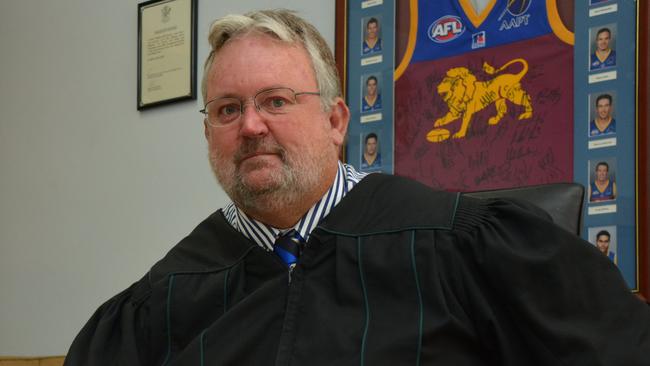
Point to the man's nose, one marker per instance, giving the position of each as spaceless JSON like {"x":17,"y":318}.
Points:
{"x":253,"y":123}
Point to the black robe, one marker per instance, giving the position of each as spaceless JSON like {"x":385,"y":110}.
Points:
{"x":397,"y":274}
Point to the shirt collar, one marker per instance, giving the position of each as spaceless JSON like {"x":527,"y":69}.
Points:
{"x":264,"y":235}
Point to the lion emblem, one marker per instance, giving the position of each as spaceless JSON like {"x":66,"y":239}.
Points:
{"x":465,"y":96}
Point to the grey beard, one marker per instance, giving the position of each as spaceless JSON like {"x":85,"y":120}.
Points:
{"x":297,"y":177}
{"x":269,"y":198}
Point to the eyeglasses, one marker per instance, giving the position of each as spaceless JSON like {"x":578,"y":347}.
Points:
{"x":221,"y":112}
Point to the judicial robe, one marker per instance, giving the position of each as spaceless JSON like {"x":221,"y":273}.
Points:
{"x":397,"y":274}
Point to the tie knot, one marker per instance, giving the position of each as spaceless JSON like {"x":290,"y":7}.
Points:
{"x":288,"y":247}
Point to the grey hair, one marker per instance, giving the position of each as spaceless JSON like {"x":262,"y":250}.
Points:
{"x":285,"y":26}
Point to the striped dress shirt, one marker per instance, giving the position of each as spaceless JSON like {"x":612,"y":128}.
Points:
{"x":265,"y":235}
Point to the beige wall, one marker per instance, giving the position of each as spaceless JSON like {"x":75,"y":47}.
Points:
{"x":92,"y":191}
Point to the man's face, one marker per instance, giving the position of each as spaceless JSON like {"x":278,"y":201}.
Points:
{"x":602,"y":242}
{"x":603,"y":107}
{"x":602,"y":41}
{"x":371,"y":87}
{"x":372,"y":28}
{"x":263,"y":159}
{"x":601,"y":173}
{"x":371,"y":146}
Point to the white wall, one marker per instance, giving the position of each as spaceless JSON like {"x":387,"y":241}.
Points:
{"x":92,"y":192}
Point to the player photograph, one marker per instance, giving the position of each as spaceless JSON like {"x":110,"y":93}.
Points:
{"x":371,"y":35}
{"x":602,"y":178}
{"x":603,"y":114}
{"x":602,"y":47}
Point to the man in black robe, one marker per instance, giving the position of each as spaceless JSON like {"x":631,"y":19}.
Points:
{"x":367,"y":269}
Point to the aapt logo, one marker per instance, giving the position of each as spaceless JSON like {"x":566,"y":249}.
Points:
{"x":518,"y":7}
{"x":446,"y":29}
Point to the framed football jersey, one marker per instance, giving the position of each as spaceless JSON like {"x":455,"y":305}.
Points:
{"x":507,"y":93}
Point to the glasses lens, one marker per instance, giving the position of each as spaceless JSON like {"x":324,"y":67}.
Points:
{"x":275,"y":101}
{"x":223,"y":111}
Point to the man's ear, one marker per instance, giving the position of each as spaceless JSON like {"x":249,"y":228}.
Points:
{"x":339,"y":120}
{"x":206,"y":130}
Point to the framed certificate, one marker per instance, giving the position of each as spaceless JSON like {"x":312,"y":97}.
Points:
{"x":166,"y":52}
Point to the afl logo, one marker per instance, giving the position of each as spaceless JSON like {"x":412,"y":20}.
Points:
{"x":445,"y":29}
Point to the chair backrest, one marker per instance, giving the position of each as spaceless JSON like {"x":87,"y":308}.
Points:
{"x":562,"y":201}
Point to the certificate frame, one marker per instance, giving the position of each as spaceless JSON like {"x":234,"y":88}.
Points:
{"x":641,"y":171}
{"x":166,"y":52}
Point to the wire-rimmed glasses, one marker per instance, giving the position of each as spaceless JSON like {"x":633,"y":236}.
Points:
{"x":224,"y":111}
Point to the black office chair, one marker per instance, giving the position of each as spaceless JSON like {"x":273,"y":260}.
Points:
{"x":562,"y":201}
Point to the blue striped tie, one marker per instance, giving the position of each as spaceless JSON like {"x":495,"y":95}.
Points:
{"x":288,"y":247}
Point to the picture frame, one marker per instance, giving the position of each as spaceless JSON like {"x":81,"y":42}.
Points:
{"x":366,"y":46}
{"x":643,"y":136}
{"x":592,"y":15}
{"x":166,"y":52}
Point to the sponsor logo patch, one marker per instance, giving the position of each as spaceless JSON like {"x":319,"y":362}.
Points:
{"x":518,"y":7}
{"x":478,"y":40}
{"x":446,"y":29}
{"x":518,"y":17}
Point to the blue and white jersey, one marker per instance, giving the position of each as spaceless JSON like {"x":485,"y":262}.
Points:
{"x":609,"y":130}
{"x":597,"y":64}
{"x":365,"y":107}
{"x":367,"y":49}
{"x":375,"y":164}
